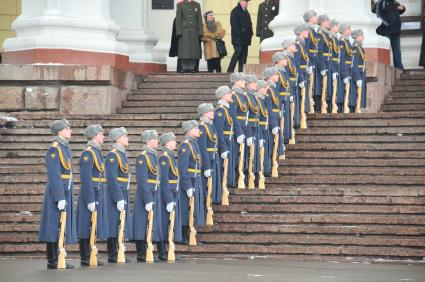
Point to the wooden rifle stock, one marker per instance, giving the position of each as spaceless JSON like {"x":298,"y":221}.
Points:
{"x":225,"y":190}
{"x":192,"y":233}
{"x":251,"y":175}
{"x":324,"y":90}
{"x":149,"y":245}
{"x":61,"y":242}
{"x":275,"y":166}
{"x":334,"y":91}
{"x":209,"y":219}
{"x":241,"y":179}
{"x":121,"y":247}
{"x":282,"y":135}
{"x":346,"y":98}
{"x":359,"y":100}
{"x":262,"y":179}
{"x":303,"y":123}
{"x":171,"y":245}
{"x":93,"y":248}
{"x":310,"y":93}
{"x":292,"y":140}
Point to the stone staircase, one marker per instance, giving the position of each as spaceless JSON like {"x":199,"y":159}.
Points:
{"x":352,"y":187}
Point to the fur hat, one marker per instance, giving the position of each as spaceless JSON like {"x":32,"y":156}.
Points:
{"x":92,"y":130}
{"x":188,"y":125}
{"x":116,"y":133}
{"x":59,"y":125}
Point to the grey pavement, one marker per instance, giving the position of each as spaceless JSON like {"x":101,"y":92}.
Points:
{"x":12,"y":270}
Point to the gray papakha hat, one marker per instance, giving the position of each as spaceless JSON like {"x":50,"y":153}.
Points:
{"x":333,"y":23}
{"x":286,"y":54}
{"x":236,"y":76}
{"x":269,"y":71}
{"x":116,"y":133}
{"x":300,"y":28}
{"x":205,"y":108}
{"x":277,"y":57}
{"x":343,"y":27}
{"x":149,"y":135}
{"x":322,"y":18}
{"x":309,"y":14}
{"x":251,"y":79}
{"x":188,"y":125}
{"x":166,"y":137}
{"x":261,"y":83}
{"x":286,"y":43}
{"x":92,"y":130}
{"x":58,"y":125}
{"x":221,"y":91}
{"x":356,"y":33}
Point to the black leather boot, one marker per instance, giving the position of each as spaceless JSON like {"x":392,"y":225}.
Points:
{"x":162,"y":250}
{"x":112,"y":245}
{"x":141,"y":250}
{"x":52,"y":259}
{"x":84,"y":252}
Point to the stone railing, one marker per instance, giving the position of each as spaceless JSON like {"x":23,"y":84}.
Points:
{"x":71,"y":89}
{"x":380,"y":79}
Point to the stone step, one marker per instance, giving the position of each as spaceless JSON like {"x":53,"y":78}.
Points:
{"x":160,"y":104}
{"x":323,"y":209}
{"x":173,"y":93}
{"x":363,"y":116}
{"x":402,"y":107}
{"x":410,"y":82}
{"x":291,"y":229}
{"x":182,"y":85}
{"x":355,"y":147}
{"x":50,"y":116}
{"x":168,"y":77}
{"x":154,"y":110}
{"x":362,"y":131}
{"x":107,"y":125}
{"x":348,"y":179}
{"x":408,"y":88}
{"x":359,"y":162}
{"x":300,"y":138}
{"x":352,"y":171}
{"x":401,"y":101}
{"x":399,"y":122}
{"x":185,"y":97}
{"x":356,"y":154}
{"x":412,"y":75}
{"x":312,"y":240}
{"x":329,"y":218}
{"x":404,"y":94}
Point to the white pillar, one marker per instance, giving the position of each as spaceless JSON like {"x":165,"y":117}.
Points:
{"x":357,"y":13}
{"x":77,"y":25}
{"x":133,"y":18}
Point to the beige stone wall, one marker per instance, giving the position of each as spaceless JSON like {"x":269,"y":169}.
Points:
{"x":9,"y":10}
{"x":222,"y":9}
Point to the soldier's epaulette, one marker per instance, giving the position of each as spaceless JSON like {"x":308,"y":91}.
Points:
{"x":89,"y":148}
{"x":114,"y":150}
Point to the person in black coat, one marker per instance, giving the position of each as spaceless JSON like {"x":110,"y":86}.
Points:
{"x":241,"y":24}
{"x":174,"y":47}
{"x":389,"y":12}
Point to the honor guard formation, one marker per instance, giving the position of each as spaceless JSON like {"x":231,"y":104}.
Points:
{"x":234,"y":145}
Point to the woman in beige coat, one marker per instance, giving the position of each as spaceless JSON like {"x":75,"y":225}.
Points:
{"x":212,"y":31}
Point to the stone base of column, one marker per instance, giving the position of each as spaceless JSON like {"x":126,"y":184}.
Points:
{"x":66,"y":57}
{"x":380,"y":55}
{"x":147,"y":68}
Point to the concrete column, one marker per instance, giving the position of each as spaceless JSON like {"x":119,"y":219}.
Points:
{"x":133,"y":18}
{"x":357,"y":13}
{"x":65,"y":32}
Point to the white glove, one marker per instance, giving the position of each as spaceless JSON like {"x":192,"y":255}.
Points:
{"x":224,"y":156}
{"x":249,"y":141}
{"x":291,"y":99}
{"x":149,"y":206}
{"x":240,"y":139}
{"x":91,"y":206}
{"x":280,"y":114}
{"x":275,"y":130}
{"x":120,"y":205}
{"x":170,"y":206}
{"x":334,"y":75}
{"x":302,"y":84}
{"x":310,"y":70}
{"x":359,"y":83}
{"x":323,"y":72}
{"x":346,"y":80}
{"x":207,"y":173}
{"x":261,"y":143}
{"x":61,"y":205}
{"x":189,"y":192}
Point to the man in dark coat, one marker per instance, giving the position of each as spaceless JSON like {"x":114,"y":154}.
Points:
{"x":266,"y":13}
{"x":241,"y":24}
{"x":389,"y":12}
{"x":189,"y":30}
